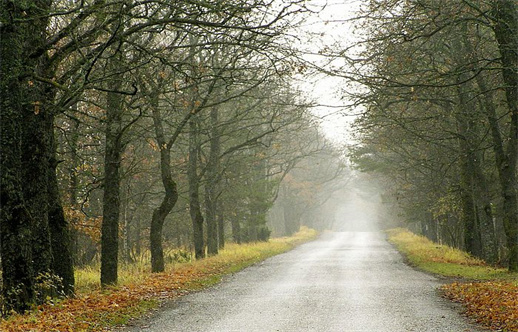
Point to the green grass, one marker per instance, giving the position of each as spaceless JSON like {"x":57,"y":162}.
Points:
{"x":138,"y":290}
{"x":87,"y":279}
{"x":234,"y":257}
{"x":444,"y":260}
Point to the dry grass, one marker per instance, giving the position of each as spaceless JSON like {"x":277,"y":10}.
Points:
{"x":442,"y":259}
{"x":139,"y":291}
{"x":492,"y":302}
{"x":235,"y":255}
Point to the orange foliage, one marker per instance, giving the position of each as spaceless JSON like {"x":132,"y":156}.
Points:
{"x":100,"y":310}
{"x":152,"y":144}
{"x":89,"y":226}
{"x":493,"y":304}
{"x":305,"y":190}
{"x":89,"y":312}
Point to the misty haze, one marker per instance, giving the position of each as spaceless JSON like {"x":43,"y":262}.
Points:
{"x":259,"y":165}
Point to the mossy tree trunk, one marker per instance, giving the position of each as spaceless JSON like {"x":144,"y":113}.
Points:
{"x":61,"y":244}
{"x":29,"y":196}
{"x":111,"y":196}
{"x":15,"y":222}
{"x":506,"y":32}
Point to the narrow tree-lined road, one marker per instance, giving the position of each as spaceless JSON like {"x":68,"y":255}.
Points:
{"x":345,"y":281}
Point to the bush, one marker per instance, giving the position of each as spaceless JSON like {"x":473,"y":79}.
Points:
{"x":48,"y":286}
{"x":178,"y":256}
{"x":263,"y":234}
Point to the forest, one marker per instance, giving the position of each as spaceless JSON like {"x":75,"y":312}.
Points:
{"x":152,"y":129}
{"x":159,"y":128}
{"x":438,"y":81}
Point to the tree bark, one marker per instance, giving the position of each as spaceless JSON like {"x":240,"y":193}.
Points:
{"x":480,"y":234}
{"x":472,"y":236}
{"x":465,"y":128}
{"x":212,"y":186}
{"x":111,"y":196}
{"x":27,"y":130}
{"x":484,"y":211}
{"x":37,"y":135}
{"x":506,"y":32}
{"x":170,"y":197}
{"x":35,"y":161}
{"x":73,"y":183}
{"x":63,"y":263}
{"x":194,"y":184}
{"x":221,"y":228}
{"x":15,"y":221}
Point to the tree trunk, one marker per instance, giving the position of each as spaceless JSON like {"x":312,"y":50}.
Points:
{"x":506,"y":33}
{"x":127,"y":218}
{"x":15,"y":221}
{"x":485,"y":215}
{"x":194,"y":196}
{"x":472,"y":240}
{"x":236,"y":230}
{"x":73,"y":184}
{"x":169,"y":200}
{"x":138,"y":239}
{"x":26,"y":132}
{"x":37,"y":137}
{"x":221,"y":228}
{"x":291,"y":219}
{"x":488,"y":230}
{"x":63,"y":263}
{"x":212,"y":186}
{"x":111,"y":196}
{"x":35,"y":161}
{"x":466,"y":132}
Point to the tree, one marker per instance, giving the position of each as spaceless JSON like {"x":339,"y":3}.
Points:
{"x":215,"y":231}
{"x":171,"y":192}
{"x":16,"y":223}
{"x":72,"y":63}
{"x":111,"y":198}
{"x":505,"y":28}
{"x":194,"y":197}
{"x":30,"y":205}
{"x":443,"y":80}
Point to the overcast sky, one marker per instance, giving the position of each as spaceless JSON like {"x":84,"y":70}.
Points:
{"x":330,"y":28}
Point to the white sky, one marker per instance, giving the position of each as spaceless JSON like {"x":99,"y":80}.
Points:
{"x":330,"y":28}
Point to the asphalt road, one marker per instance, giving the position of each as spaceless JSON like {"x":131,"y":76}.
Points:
{"x":344,"y":281}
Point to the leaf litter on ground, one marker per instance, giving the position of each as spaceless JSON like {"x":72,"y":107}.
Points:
{"x":493,"y":304}
{"x":488,"y":294}
{"x":100,"y":310}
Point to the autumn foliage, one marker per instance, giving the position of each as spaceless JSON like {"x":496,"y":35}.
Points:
{"x":493,"y":304}
{"x":101,"y":309}
{"x":93,"y":311}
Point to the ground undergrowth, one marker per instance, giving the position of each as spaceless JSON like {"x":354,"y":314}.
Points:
{"x":488,"y":294}
{"x":139,"y":291}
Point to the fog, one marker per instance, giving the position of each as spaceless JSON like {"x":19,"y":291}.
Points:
{"x":358,"y":211}
{"x":358,"y":206}
{"x":353,"y":203}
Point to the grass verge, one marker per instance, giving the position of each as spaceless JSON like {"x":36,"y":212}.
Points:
{"x":489,"y":294}
{"x":139,"y":291}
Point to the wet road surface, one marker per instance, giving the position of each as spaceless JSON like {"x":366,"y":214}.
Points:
{"x":344,"y":281}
